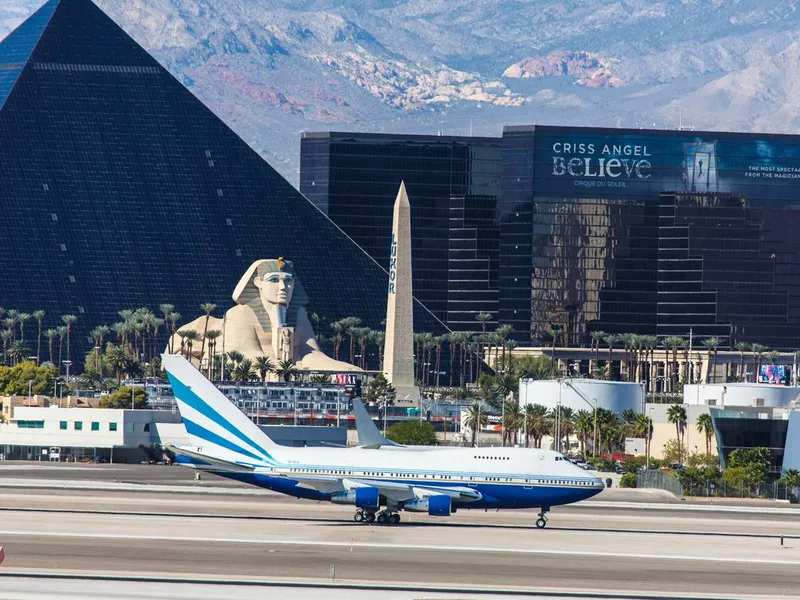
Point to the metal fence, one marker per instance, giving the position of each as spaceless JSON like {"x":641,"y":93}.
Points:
{"x":660,"y":480}
{"x":714,"y":488}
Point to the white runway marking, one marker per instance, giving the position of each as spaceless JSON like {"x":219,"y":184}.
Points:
{"x":388,"y":546}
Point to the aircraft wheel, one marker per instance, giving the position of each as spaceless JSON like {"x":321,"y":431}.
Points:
{"x":358,"y":517}
{"x":395,"y":519}
{"x":369,"y":517}
{"x":540,"y":523}
{"x":382,"y":519}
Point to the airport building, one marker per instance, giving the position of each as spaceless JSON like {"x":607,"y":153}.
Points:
{"x":453,"y":184}
{"x":120,"y":189}
{"x":105,"y":434}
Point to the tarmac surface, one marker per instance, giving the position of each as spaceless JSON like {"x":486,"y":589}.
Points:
{"x":215,"y":532}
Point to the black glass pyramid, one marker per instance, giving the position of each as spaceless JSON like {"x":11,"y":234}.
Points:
{"x":120,"y":189}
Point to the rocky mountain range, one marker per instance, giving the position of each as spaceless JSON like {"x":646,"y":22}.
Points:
{"x":273,"y":68}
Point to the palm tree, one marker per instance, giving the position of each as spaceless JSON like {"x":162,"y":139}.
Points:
{"x":361,"y":335}
{"x":264,"y":366}
{"x":458,"y":339}
{"x":448,"y":339}
{"x":475,"y":420}
{"x":18,"y":352}
{"x":12,"y":317}
{"x":211,"y":336}
{"x":6,"y":336}
{"x":245,"y":371}
{"x":483,"y":318}
{"x":712,"y":344}
{"x":337,"y":338}
{"x":610,"y":340}
{"x":21,"y":318}
{"x":51,"y":335}
{"x":182,"y":335}
{"x":676,"y":414}
{"x":378,"y":339}
{"x":429,"y":343}
{"x":609,"y":428}
{"x":567,"y":427}
{"x":513,"y":420}
{"x":62,"y":332}
{"x":597,"y":337}
{"x":68,"y":320}
{"x":286,"y":370}
{"x":190,"y":336}
{"x":758,"y":351}
{"x":207,"y":308}
{"x":706,"y":427}
{"x":603,"y":373}
{"x":502,"y":332}
{"x":742,"y":347}
{"x":438,"y":343}
{"x":166,"y":310}
{"x":348,"y":324}
{"x":39,"y":316}
{"x":118,"y":359}
{"x":537,"y":423}
{"x":174,"y":317}
{"x":672,"y":343}
{"x":554,"y":331}
{"x":641,"y":427}
{"x":584,"y":427}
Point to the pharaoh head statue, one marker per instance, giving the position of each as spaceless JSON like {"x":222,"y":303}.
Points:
{"x":270,"y":286}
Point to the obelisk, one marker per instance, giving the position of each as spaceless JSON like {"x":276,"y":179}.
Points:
{"x":398,"y":355}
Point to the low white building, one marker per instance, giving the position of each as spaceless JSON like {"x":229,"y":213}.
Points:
{"x":583,"y":394}
{"x":739,"y":394}
{"x":45,"y":433}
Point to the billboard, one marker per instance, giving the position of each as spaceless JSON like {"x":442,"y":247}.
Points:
{"x":607,"y":163}
{"x":773,"y":374}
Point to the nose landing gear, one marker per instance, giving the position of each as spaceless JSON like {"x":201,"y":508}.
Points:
{"x":542,"y":520}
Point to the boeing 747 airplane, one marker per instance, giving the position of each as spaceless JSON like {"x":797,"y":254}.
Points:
{"x":378,"y":482}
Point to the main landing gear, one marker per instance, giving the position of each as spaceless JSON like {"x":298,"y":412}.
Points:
{"x":542,"y":520}
{"x":383,"y":517}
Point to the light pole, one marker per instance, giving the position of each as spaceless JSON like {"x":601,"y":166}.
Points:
{"x":66,"y":363}
{"x":648,"y":434}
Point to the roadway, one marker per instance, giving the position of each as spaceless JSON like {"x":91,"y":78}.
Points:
{"x":601,"y":547}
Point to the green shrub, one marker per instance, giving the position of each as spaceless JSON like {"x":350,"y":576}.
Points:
{"x":628,"y":480}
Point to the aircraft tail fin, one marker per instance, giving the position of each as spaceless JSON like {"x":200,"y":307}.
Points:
{"x":368,"y":434}
{"x":213,"y":423}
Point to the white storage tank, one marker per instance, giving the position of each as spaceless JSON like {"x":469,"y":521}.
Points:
{"x":739,"y":394}
{"x":582,"y":394}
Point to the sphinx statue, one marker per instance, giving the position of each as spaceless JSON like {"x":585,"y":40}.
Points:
{"x":269,"y":319}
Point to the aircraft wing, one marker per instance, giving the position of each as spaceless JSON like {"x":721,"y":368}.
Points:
{"x":368,"y":434}
{"x":400,"y":492}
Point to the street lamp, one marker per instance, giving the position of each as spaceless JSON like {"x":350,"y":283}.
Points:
{"x":67,"y":363}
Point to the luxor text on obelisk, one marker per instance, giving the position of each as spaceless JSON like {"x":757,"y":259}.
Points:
{"x":398,"y":361}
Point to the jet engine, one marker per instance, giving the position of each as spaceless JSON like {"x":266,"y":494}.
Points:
{"x":362,"y":497}
{"x":438,"y":505}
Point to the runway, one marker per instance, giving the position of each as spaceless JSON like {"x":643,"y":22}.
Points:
{"x":585,"y":547}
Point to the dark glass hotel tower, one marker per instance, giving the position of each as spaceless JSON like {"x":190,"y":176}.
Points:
{"x":650,"y":232}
